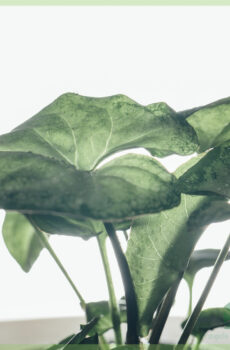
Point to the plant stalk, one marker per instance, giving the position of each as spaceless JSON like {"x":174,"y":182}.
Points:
{"x":131,"y":301}
{"x":196,"y":312}
{"x":43,"y":238}
{"x":164,"y":312}
{"x":115,"y":315}
{"x":125,"y":235}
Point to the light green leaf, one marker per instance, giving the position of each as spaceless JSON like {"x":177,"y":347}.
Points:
{"x":210,"y":175}
{"x":210,"y":319}
{"x":84,"y":130}
{"x":160,"y":246}
{"x":123,"y":188}
{"x":211,"y":123}
{"x":21,"y":240}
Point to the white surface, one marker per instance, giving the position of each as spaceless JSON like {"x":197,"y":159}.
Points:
{"x":179,"y":55}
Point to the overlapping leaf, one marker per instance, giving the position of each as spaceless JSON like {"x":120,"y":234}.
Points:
{"x":211,"y":123}
{"x":160,"y":246}
{"x":210,"y":175}
{"x":46,"y":163}
{"x":210,"y":319}
{"x":21,"y":240}
{"x":125,"y":187}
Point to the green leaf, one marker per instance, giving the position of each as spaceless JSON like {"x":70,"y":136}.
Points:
{"x":160,"y":246}
{"x":84,"y":130}
{"x":210,"y":175}
{"x":123,"y":188}
{"x":21,"y":240}
{"x":210,"y":319}
{"x":66,"y":226}
{"x":101,"y":309}
{"x":211,"y":123}
{"x":46,"y":163}
{"x":200,"y":259}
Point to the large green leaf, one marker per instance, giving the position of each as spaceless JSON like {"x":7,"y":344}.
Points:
{"x":46,"y":163}
{"x":21,"y":240}
{"x":84,"y":130}
{"x":210,"y":175}
{"x":211,"y":123}
{"x":160,"y":246}
{"x":125,"y":187}
{"x":210,"y":319}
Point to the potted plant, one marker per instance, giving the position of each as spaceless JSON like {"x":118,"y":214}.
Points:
{"x":53,"y":181}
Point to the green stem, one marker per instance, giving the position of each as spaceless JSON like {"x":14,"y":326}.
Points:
{"x":101,"y":239}
{"x":196,"y":312}
{"x":43,"y":238}
{"x":190,"y":285}
{"x":103,"y":343}
{"x":199,"y":339}
{"x":131,"y":301}
{"x":126,"y":235}
{"x":164,"y":312}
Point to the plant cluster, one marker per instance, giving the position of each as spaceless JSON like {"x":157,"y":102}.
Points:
{"x":54,"y":180}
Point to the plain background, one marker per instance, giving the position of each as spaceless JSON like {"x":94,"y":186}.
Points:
{"x":179,"y":55}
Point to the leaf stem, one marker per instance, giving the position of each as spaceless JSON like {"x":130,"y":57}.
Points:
{"x":196,"y":312}
{"x":43,"y":238}
{"x":131,"y":301}
{"x":164,"y":312}
{"x":101,"y":239}
{"x":125,"y":235}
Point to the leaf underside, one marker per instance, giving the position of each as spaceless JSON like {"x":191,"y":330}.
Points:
{"x":161,"y":244}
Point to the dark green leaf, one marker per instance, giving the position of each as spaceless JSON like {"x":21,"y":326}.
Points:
{"x":101,"y":309}
{"x":200,"y":259}
{"x":210,"y":175}
{"x":210,"y":319}
{"x":160,"y":246}
{"x":125,"y":187}
{"x":21,"y":240}
{"x":211,"y":123}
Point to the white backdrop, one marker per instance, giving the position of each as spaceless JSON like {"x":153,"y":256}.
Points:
{"x":179,"y":55}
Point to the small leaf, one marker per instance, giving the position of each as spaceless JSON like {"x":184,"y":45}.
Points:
{"x":101,"y":309}
{"x":211,"y":123}
{"x":210,"y":319}
{"x":160,"y":246}
{"x":21,"y":240}
{"x":200,"y":259}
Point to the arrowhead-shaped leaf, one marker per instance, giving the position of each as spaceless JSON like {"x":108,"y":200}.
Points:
{"x":84,"y":130}
{"x":160,"y":246}
{"x":210,"y":319}
{"x":46,"y":163}
{"x":21,"y":240}
{"x":211,"y":123}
